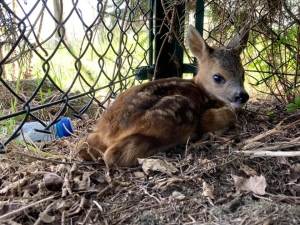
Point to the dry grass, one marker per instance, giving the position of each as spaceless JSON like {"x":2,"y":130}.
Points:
{"x":62,"y":189}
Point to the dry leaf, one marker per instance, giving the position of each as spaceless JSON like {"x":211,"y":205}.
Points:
{"x":9,"y":207}
{"x":139,"y":174}
{"x":46,"y":218}
{"x":63,"y":204}
{"x":206,"y":163}
{"x":178,"y":195}
{"x":157,"y":165}
{"x":283,"y":160}
{"x":294,"y":185}
{"x":249,"y":171}
{"x":256,"y":184}
{"x":83,"y":182}
{"x":14,"y":186}
{"x":294,"y":173}
{"x":189,"y":157}
{"x":9,"y":222}
{"x":208,"y":190}
{"x":53,"y":182}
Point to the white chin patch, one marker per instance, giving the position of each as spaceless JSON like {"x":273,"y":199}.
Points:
{"x":232,"y":104}
{"x":236,"y":105}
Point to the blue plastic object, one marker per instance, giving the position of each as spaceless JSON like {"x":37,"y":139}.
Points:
{"x":62,"y":128}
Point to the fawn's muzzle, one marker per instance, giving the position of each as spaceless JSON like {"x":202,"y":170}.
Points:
{"x":240,"y":97}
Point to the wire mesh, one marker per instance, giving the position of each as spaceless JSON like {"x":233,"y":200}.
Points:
{"x":66,"y":56}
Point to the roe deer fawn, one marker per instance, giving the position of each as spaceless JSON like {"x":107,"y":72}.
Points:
{"x":161,"y":114}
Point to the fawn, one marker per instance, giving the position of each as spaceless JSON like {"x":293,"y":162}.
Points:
{"x":158,"y":115}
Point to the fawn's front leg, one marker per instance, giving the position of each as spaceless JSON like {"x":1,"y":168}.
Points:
{"x":91,"y":146}
{"x":217,"y":120}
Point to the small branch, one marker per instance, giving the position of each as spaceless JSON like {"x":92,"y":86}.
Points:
{"x":276,"y":130}
{"x":11,"y":214}
{"x":57,"y":161}
{"x":277,"y":147}
{"x":254,"y":154}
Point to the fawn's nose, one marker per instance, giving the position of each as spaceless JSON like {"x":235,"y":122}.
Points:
{"x":241,"y":97}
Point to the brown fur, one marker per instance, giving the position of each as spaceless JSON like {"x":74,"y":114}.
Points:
{"x":158,"y":115}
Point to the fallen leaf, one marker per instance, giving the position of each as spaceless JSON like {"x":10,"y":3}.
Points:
{"x":63,"y":204}
{"x":206,"y":163}
{"x":294,"y":183}
{"x":9,"y":222}
{"x":46,"y":218}
{"x":189,"y":157}
{"x":178,"y":195}
{"x":157,"y":165}
{"x":139,"y":174}
{"x":256,"y":184}
{"x":53,"y":182}
{"x":14,"y":186}
{"x":249,"y":171}
{"x":294,"y":173}
{"x":283,"y":160}
{"x":9,"y":207}
{"x":62,"y":169}
{"x":83,"y":182}
{"x":208,"y":190}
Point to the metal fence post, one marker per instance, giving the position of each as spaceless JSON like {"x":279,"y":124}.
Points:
{"x":199,"y":23}
{"x":168,"y":55}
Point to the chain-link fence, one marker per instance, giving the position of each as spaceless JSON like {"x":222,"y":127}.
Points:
{"x":61,"y":57}
{"x":71,"y":57}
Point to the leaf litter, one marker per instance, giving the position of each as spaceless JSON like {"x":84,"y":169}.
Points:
{"x":208,"y":182}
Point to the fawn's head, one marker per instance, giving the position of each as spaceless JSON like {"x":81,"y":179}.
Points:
{"x":220,"y":72}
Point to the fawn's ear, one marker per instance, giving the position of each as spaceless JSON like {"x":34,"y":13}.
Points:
{"x":239,"y":42}
{"x":196,"y":43}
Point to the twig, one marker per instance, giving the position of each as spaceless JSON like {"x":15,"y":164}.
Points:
{"x":164,"y":185}
{"x":265,"y":218}
{"x":244,"y":220}
{"x":275,"y":148}
{"x":268,"y":151}
{"x":276,"y":130}
{"x":38,"y":221}
{"x":11,"y":214}
{"x":280,"y":196}
{"x":98,"y":205}
{"x":150,"y":195}
{"x":254,"y":154}
{"x":56,"y":161}
{"x":66,"y":189}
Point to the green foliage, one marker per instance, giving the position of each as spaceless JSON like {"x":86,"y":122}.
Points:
{"x":33,"y":148}
{"x":7,"y":127}
{"x":294,"y":106}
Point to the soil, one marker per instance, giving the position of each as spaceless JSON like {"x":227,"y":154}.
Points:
{"x":211,"y":181}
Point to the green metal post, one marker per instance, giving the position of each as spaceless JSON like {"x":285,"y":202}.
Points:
{"x":199,"y":16}
{"x":168,"y":55}
{"x":199,"y":22}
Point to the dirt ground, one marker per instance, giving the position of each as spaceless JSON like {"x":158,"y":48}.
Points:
{"x":208,"y":182}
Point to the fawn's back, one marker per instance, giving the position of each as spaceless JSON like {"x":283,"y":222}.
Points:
{"x":158,"y":115}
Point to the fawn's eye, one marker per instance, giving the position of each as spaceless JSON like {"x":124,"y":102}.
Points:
{"x":218,"y":79}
